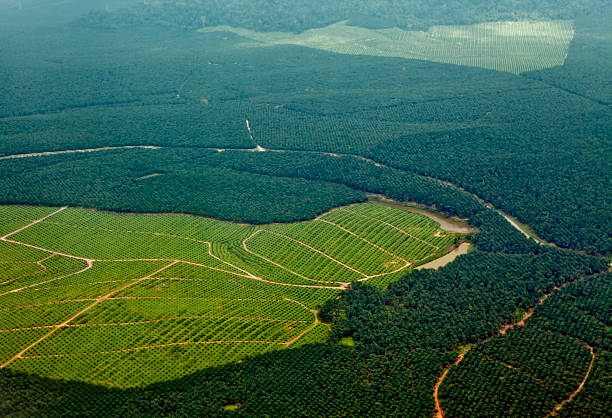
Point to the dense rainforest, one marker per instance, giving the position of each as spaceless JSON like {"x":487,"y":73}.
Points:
{"x":332,"y":128}
{"x":299,"y":15}
{"x":567,"y":333}
{"x":162,"y":181}
{"x":588,"y":69}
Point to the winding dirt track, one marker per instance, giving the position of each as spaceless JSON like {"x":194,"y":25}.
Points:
{"x":307,"y":330}
{"x":243,"y":273}
{"x":77,"y":151}
{"x":439,"y":413}
{"x":439,"y":410}
{"x":75,"y":316}
{"x":248,"y":250}
{"x":4,"y":238}
{"x":503,"y":329}
{"x":390,"y":225}
{"x":66,"y":324}
{"x":90,"y":261}
{"x":110,"y":295}
{"x":39,"y":263}
{"x":577,"y":391}
{"x":259,"y":148}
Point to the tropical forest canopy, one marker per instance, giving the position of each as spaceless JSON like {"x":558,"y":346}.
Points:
{"x":478,"y":110}
{"x":300,"y":15}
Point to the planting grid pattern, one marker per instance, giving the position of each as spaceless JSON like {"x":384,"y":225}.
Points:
{"x":128,"y":300}
{"x":513,"y":47}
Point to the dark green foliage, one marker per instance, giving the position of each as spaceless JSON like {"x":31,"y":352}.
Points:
{"x":230,"y":185}
{"x":524,"y":179}
{"x":462,"y":303}
{"x":356,"y":174}
{"x":166,"y":180}
{"x":496,"y":235}
{"x":315,"y":380}
{"x":177,"y":124}
{"x":533,"y":368}
{"x":391,"y":370}
{"x":77,"y":68}
{"x":588,"y":69}
{"x":329,"y":311}
{"x":582,"y":311}
{"x":18,"y":13}
{"x":516,"y":394}
{"x":595,"y":400}
{"x":299,"y":15}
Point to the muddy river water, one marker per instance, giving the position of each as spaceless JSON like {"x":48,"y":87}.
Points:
{"x":446,"y":259}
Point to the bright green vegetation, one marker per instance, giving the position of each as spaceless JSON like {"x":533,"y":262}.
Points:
{"x":296,"y":257}
{"x":128,"y":300}
{"x":407,"y":234}
{"x":533,"y":368}
{"x":514,"y":47}
{"x":231,"y":407}
{"x":359,"y":241}
{"x":14,"y":217}
{"x":402,"y":337}
{"x":348,"y":341}
{"x":14,"y":269}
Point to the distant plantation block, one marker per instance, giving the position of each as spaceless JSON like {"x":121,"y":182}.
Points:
{"x":513,"y":47}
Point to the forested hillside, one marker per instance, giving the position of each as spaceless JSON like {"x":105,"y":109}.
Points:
{"x":567,"y":339}
{"x":588,"y":69}
{"x":24,"y":13}
{"x":299,"y":15}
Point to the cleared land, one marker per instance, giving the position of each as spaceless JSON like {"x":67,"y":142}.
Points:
{"x":513,"y":47}
{"x":128,"y":300}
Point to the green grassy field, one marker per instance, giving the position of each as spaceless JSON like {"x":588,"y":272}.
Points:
{"x":128,"y":300}
{"x":513,"y":47}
